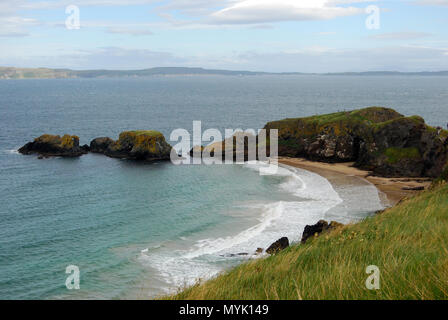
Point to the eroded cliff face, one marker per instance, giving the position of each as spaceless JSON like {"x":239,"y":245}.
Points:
{"x":377,"y":139}
{"x":136,"y":145}
{"x":49,"y":145}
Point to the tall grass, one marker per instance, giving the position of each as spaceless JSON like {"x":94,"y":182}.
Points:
{"x":409,"y":244}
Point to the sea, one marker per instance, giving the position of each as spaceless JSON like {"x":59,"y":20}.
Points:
{"x":141,"y":231}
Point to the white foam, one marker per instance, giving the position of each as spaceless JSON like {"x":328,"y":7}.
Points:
{"x":315,"y":196}
{"x":13,"y":151}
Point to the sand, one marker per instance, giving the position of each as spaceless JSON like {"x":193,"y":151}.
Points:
{"x":391,"y":190}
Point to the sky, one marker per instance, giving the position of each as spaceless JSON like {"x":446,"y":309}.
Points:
{"x":253,"y":35}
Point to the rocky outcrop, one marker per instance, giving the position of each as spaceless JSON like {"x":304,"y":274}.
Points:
{"x":134,"y":145}
{"x":100,"y":145}
{"x":278,"y":245}
{"x":236,"y":146}
{"x":377,"y":139}
{"x":318,"y":228}
{"x":55,"y":146}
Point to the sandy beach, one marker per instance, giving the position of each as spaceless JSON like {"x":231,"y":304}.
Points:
{"x":391,"y":190}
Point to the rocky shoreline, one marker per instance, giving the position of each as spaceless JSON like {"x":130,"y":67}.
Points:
{"x":380,"y":142}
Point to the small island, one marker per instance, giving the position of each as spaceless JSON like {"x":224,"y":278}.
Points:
{"x":48,"y":145}
{"x":134,"y":145}
{"x":143,"y":145}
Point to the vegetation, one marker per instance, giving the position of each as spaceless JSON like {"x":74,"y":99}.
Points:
{"x":140,"y":141}
{"x":395,"y":155}
{"x":338,"y":123}
{"x":409,"y":244}
{"x":66,"y":142}
{"x":148,"y":133}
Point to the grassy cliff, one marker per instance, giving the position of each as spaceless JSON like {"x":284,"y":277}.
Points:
{"x":409,"y":244}
{"x":377,"y":139}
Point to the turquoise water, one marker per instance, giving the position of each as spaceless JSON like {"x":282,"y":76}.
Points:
{"x":137,"y":230}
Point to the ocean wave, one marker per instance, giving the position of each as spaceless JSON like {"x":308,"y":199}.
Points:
{"x":315,"y":196}
{"x":12,"y":151}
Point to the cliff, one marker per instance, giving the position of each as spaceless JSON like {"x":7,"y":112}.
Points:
{"x":377,"y":139}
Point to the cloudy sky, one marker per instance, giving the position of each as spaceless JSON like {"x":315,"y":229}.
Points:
{"x":256,"y":35}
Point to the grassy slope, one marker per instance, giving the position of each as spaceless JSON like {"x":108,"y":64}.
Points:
{"x":409,"y":243}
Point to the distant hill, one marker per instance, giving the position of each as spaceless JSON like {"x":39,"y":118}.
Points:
{"x":47,"y":73}
{"x":390,"y":73}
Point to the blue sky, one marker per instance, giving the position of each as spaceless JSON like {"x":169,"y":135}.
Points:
{"x":257,"y":35}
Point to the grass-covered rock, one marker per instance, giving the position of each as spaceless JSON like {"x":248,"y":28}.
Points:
{"x":377,"y":139}
{"x":136,"y":145}
{"x":49,"y":145}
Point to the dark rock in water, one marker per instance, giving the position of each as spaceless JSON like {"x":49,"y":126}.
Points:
{"x":259,"y":251}
{"x":318,"y":228}
{"x":54,"y":146}
{"x":413,"y":188}
{"x":100,"y":145}
{"x":85,"y":147}
{"x":232,"y":255}
{"x":134,"y":145}
{"x":278,"y":245}
{"x":377,"y":139}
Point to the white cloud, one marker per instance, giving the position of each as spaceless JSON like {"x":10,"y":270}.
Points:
{"x":102,"y":58}
{"x":313,"y":59}
{"x":394,"y":36}
{"x":432,"y":2}
{"x":130,"y":31}
{"x":262,"y":11}
{"x":15,"y":26}
{"x":394,"y":58}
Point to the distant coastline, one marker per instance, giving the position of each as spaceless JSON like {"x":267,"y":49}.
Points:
{"x":49,"y":73}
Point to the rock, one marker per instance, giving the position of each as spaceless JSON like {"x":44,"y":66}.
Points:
{"x":54,"y":146}
{"x":278,"y":245}
{"x":413,"y":188}
{"x":259,"y":251}
{"x":237,"y":146}
{"x":312,"y":230}
{"x":196,"y":151}
{"x":377,"y":139}
{"x":86,"y":148}
{"x":134,"y":145}
{"x":100,"y":145}
{"x":318,"y":228}
{"x":335,"y":225}
{"x":233,"y":255}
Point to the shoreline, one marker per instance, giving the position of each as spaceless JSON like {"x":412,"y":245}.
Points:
{"x":393,"y":189}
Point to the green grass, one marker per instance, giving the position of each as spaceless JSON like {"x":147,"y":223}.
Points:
{"x":149,"y":133}
{"x":409,"y":244}
{"x":394,"y":155}
{"x":369,"y":115}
